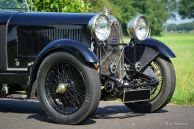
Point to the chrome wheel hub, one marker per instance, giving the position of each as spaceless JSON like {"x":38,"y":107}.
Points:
{"x":62,"y":88}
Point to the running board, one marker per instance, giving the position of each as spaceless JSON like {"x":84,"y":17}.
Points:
{"x":17,"y":96}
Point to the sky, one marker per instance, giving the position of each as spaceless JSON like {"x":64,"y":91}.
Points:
{"x":178,"y":20}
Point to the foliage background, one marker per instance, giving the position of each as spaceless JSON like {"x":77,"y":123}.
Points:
{"x":157,"y":11}
{"x":61,"y":5}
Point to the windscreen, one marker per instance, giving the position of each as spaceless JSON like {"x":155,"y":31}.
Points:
{"x":13,"y":5}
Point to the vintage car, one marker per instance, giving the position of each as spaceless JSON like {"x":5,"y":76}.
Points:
{"x":71,"y":61}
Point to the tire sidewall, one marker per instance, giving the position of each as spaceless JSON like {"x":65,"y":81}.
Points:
{"x":166,"y":91}
{"x":168,"y":84}
{"x":50,"y":61}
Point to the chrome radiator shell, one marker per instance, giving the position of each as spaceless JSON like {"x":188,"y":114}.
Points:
{"x":112,"y":53}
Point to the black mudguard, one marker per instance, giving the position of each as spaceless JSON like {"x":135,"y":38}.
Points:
{"x":71,"y":46}
{"x":158,"y":46}
{"x":145,"y":51}
{"x":74,"y":47}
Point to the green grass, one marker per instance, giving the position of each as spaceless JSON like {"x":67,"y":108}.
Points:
{"x":183,"y":46}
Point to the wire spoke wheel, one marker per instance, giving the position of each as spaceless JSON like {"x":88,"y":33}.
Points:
{"x":155,"y":91}
{"x":65,"y":88}
{"x":68,"y":90}
{"x":162,"y":93}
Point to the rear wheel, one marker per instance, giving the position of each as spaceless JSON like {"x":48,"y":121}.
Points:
{"x":68,"y":90}
{"x":162,"y":93}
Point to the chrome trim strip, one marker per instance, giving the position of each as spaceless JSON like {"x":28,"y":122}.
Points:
{"x":17,"y":69}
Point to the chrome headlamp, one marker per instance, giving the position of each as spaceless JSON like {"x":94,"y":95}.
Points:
{"x":100,"y":27}
{"x":138,"y":28}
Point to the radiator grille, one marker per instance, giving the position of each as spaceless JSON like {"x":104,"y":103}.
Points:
{"x":115,"y":34}
{"x":112,"y":53}
{"x":112,"y":56}
{"x":32,"y":40}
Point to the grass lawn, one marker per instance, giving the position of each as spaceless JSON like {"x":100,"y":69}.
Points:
{"x":182,"y":45}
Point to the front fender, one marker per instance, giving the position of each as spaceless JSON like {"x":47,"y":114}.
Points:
{"x":144,"y":52}
{"x":69,"y":45}
{"x":159,"y":46}
{"x":76,"y":48}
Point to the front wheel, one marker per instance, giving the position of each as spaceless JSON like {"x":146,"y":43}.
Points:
{"x":162,"y":93}
{"x":68,"y":90}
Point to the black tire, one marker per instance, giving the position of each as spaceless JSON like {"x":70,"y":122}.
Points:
{"x":81,"y":93}
{"x":166,"y":90}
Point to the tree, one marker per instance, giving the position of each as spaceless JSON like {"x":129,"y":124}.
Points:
{"x":154,"y":10}
{"x":61,"y":5}
{"x":184,"y":27}
{"x":186,"y":8}
{"x":100,"y":5}
{"x":127,"y":11}
{"x":156,"y":13}
{"x":124,"y":10}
